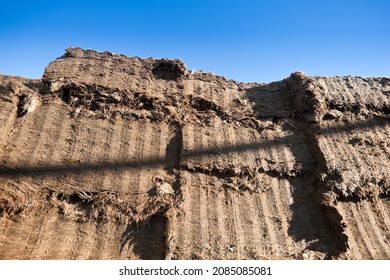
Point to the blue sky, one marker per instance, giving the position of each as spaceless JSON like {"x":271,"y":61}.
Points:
{"x":243,"y":40}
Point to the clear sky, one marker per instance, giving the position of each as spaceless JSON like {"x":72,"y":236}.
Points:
{"x":243,"y":40}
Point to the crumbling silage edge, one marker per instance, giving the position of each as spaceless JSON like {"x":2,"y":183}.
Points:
{"x":325,"y":196}
{"x":307,"y":105}
{"x":100,"y":207}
